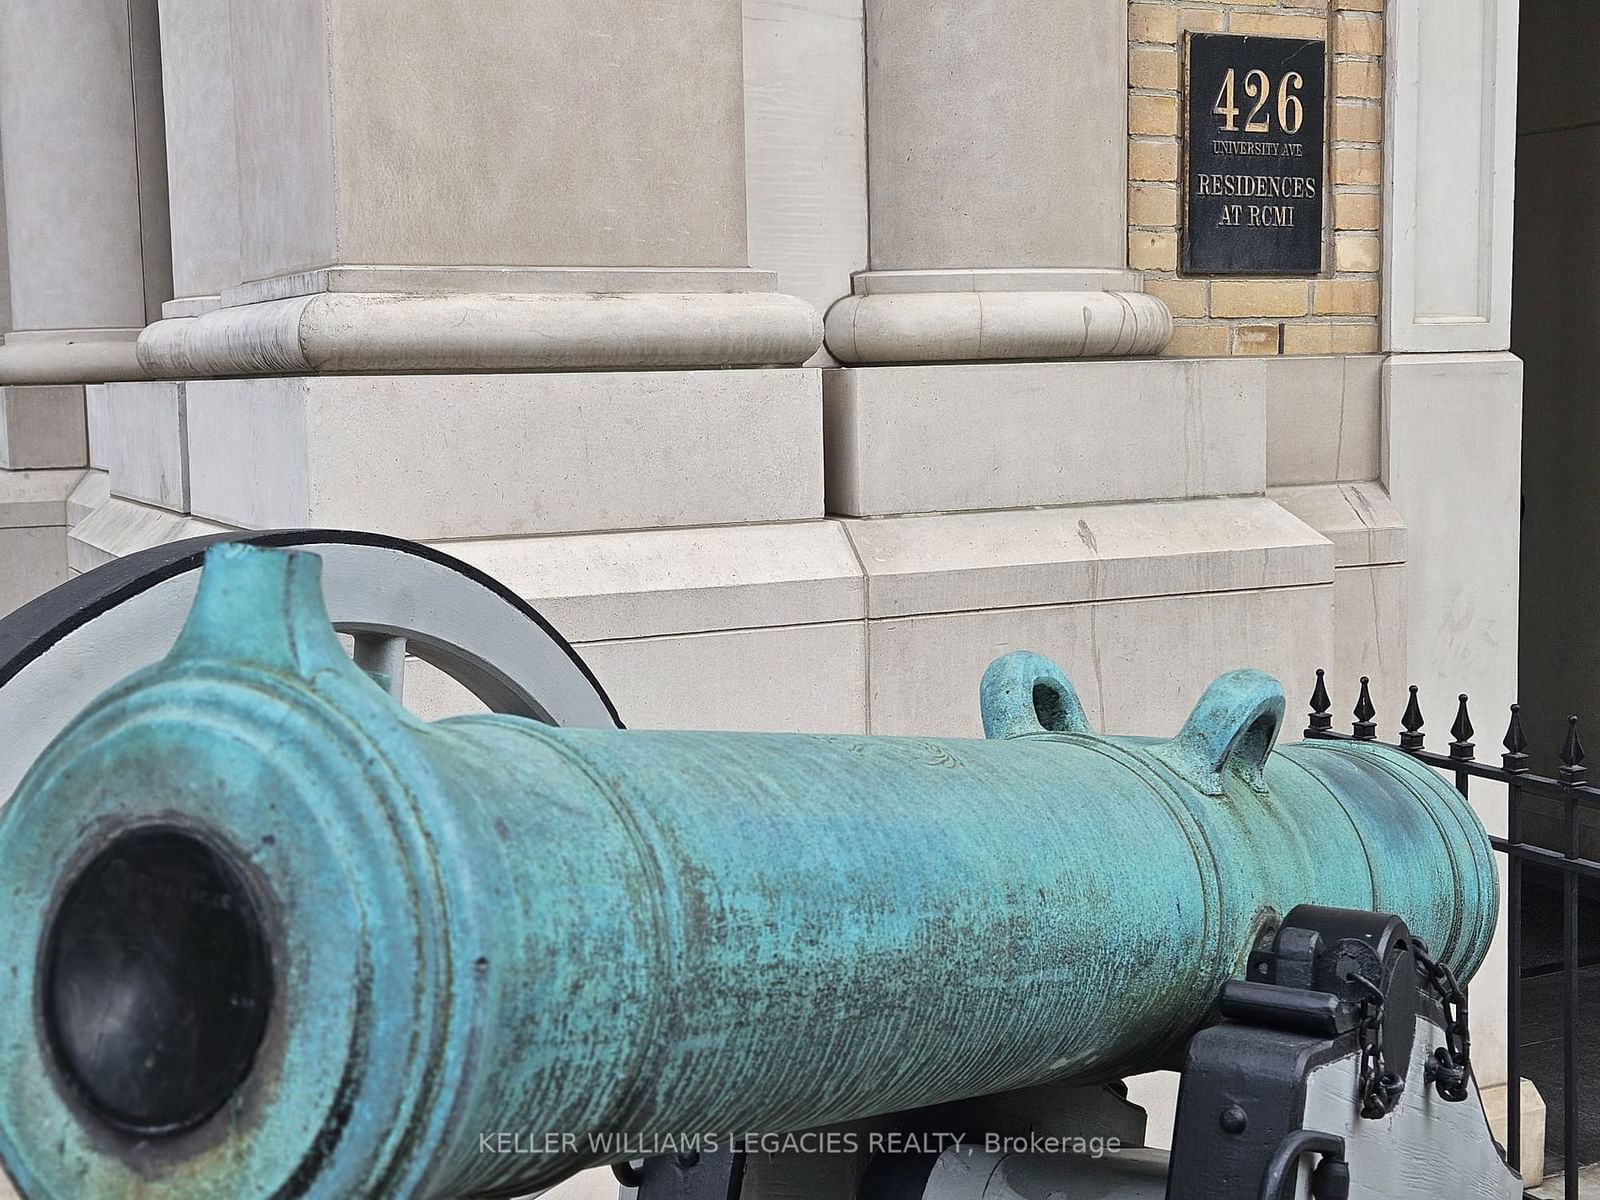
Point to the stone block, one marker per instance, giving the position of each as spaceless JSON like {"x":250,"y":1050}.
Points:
{"x":1157,"y":161}
{"x":1185,"y":297}
{"x":33,"y":498}
{"x":1008,"y":435}
{"x":456,"y":456}
{"x":1198,"y":341}
{"x":33,"y":559}
{"x":1153,"y":251}
{"x":1306,"y":338}
{"x":1323,"y":419}
{"x":1153,"y":206}
{"x":1139,"y":665}
{"x":1356,"y":252}
{"x":649,"y":583}
{"x":799,"y":678}
{"x":1258,"y":340}
{"x":91,"y":493}
{"x":1355,"y":338}
{"x":1357,"y":210}
{"x":121,"y":527}
{"x":1360,"y":79}
{"x":1259,"y":298}
{"x":1155,"y":68}
{"x":141,"y":440}
{"x":1369,"y":639}
{"x":1153,"y":116}
{"x":1201,"y":20}
{"x":1358,"y":518}
{"x":1291,"y":25}
{"x":1357,"y":33}
{"x":1346,"y":297}
{"x":1153,"y":23}
{"x":1354,"y":121}
{"x":43,"y":426}
{"x":1357,"y":165}
{"x":956,"y":562}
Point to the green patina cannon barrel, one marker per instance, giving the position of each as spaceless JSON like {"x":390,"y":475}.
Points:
{"x":267,"y":935}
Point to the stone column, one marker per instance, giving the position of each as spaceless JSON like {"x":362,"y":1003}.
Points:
{"x":85,"y":200}
{"x":202,"y":154}
{"x":85,"y":182}
{"x":996,"y":140}
{"x":465,"y":185}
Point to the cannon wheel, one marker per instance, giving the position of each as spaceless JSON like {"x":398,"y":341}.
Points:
{"x":394,"y":598}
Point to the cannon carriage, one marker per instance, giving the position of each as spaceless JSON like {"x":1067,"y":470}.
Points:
{"x":271,"y":935}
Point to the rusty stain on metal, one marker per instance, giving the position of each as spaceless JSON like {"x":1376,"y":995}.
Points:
{"x":488,"y":925}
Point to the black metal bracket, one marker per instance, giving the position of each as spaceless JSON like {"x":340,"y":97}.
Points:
{"x":698,"y":1175}
{"x":1330,"y":1180}
{"x":1309,"y":997}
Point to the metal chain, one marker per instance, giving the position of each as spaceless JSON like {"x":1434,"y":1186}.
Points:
{"x":1380,"y":1088}
{"x":1451,"y":1069}
{"x":1452,"y":1062}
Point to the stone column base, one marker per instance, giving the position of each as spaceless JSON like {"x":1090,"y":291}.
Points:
{"x":978,"y":315}
{"x":622,"y":322}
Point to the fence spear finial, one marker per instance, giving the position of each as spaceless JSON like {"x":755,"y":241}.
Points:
{"x":1516,"y":743}
{"x":1321,"y":717}
{"x":1365,"y":728}
{"x":1572,"y":769}
{"x":1411,"y":722}
{"x":1461,"y":732}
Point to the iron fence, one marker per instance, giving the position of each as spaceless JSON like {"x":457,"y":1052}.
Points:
{"x":1571,"y":791}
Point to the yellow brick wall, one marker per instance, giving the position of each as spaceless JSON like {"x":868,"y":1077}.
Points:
{"x":1335,"y":313}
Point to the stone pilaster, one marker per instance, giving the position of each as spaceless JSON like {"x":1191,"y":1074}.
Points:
{"x":86,"y":196}
{"x":86,"y":234}
{"x":467,"y":185}
{"x":202,"y":165}
{"x":997,"y":221}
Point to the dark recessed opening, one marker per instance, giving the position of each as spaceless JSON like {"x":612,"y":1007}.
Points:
{"x":1049,"y":707}
{"x":157,"y":982}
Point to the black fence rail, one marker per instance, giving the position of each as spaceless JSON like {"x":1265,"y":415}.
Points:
{"x":1569,"y":792}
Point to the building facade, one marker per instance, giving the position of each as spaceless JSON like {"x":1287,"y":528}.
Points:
{"x":794,"y":359}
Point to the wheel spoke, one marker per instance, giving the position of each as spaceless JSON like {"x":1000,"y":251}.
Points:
{"x":384,"y":656}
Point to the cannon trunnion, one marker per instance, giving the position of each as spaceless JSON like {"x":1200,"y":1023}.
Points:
{"x":271,"y":936}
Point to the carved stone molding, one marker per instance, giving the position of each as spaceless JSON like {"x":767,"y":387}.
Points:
{"x":69,"y":356}
{"x":972,"y":326}
{"x":376,"y":333}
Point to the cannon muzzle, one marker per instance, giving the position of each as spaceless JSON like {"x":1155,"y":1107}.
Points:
{"x":268,"y":935}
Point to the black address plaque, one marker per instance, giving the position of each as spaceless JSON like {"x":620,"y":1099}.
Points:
{"x":1254,"y":161}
